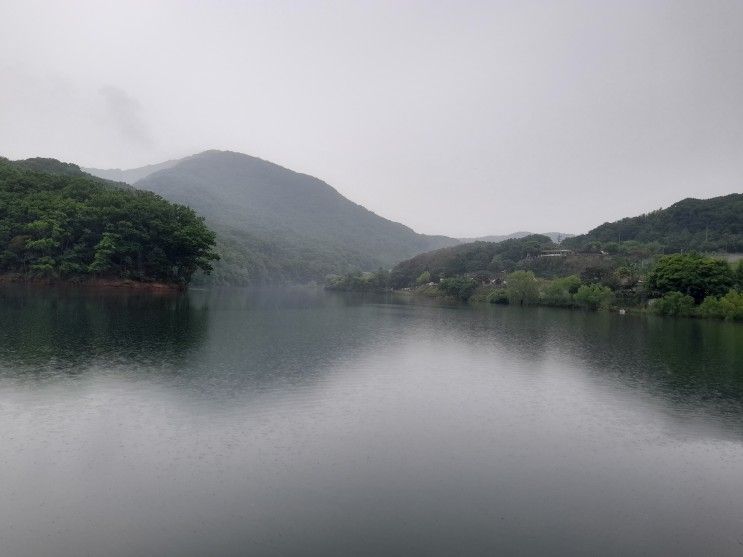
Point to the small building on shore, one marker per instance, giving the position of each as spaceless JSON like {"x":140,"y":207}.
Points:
{"x":556,"y":253}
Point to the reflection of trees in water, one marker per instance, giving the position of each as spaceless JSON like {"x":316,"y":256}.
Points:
{"x":266,"y":339}
{"x":221,"y":342}
{"x":240,"y":340}
{"x":685,"y":358}
{"x":682,"y":360}
{"x":69,"y":328}
{"x":698,"y":358}
{"x":692,"y":364}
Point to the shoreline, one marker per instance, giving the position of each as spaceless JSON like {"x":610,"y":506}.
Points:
{"x":479,"y":298}
{"x":92,"y":283}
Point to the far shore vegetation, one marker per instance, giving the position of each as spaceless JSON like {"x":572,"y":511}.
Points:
{"x":534,"y":271}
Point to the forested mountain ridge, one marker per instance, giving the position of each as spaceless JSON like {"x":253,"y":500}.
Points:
{"x":62,"y":223}
{"x":49,"y":166}
{"x":709,"y":225}
{"x":275,"y":225}
{"x":474,"y":257}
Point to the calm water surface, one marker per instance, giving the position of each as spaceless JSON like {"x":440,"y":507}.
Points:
{"x":305,"y":423}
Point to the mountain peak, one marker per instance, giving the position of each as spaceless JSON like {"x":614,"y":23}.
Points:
{"x":276,"y":224}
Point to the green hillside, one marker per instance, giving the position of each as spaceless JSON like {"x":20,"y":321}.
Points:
{"x":57,"y":222}
{"x":275,"y":225}
{"x":475,"y":257}
{"x":706,"y":225}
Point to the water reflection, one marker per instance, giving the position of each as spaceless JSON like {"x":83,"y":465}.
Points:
{"x":240,"y":340}
{"x":305,"y":423}
{"x":68,"y":329}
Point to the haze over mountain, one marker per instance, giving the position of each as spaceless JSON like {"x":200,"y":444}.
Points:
{"x":277,"y":225}
{"x":554,"y":236}
{"x":132,"y":175}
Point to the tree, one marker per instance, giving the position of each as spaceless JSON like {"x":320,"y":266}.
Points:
{"x":522,"y":288}
{"x":692,"y":274}
{"x":710,"y":307}
{"x":626,"y":276}
{"x":597,"y":273}
{"x":381,"y":279}
{"x":739,"y":275}
{"x":458,"y":287}
{"x":499,"y":296}
{"x":594,"y":296}
{"x":104,"y":252}
{"x":423,"y":278}
{"x":612,"y":247}
{"x":729,"y":306}
{"x":560,"y":291}
{"x":63,"y":223}
{"x":732,"y":305}
{"x":674,"y":304}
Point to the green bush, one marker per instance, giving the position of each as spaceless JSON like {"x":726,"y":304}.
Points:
{"x":423,"y":278}
{"x":594,"y":296}
{"x":738,"y":272}
{"x":359,"y":282}
{"x":522,"y":288}
{"x":732,"y":305}
{"x":560,"y":292}
{"x":499,"y":296}
{"x":711,"y":307}
{"x":675,"y":304}
{"x":729,"y":306}
{"x":458,"y":287}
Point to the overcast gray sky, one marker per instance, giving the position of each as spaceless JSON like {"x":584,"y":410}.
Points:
{"x":462,"y":118}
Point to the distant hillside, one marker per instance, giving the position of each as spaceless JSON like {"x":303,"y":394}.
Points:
{"x":474,"y":257}
{"x":276,"y":225}
{"x":132,"y":175}
{"x":714,"y":224}
{"x":556,"y":237}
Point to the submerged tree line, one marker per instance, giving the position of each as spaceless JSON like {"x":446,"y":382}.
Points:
{"x":534,"y":271}
{"x":57,"y":222}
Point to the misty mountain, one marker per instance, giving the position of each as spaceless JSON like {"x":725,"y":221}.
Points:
{"x":714,"y":224}
{"x":132,"y":175}
{"x":556,"y":237}
{"x":277,"y":225}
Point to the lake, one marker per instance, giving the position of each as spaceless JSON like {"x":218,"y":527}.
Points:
{"x":300,"y":422}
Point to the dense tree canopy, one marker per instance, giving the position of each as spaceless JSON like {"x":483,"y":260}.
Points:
{"x":62,"y":223}
{"x":469,"y":258}
{"x":691,"y":274}
{"x":522,"y":288}
{"x":709,"y":225}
